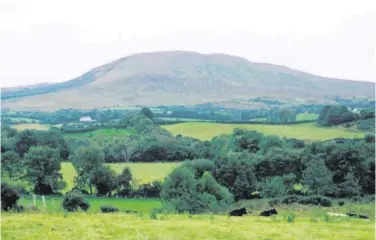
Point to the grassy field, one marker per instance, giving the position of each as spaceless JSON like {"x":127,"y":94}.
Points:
{"x":308,"y":223}
{"x":35,"y":126}
{"x":53,"y":204}
{"x":142,"y":172}
{"x":18,"y":119}
{"x":306,"y":131}
{"x":102,"y":133}
{"x":308,"y":116}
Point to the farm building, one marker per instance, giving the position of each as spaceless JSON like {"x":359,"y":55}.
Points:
{"x":85,"y":119}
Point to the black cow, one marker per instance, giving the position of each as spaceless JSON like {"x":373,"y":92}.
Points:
{"x":108,"y":209}
{"x":357,"y":215}
{"x":269,"y":212}
{"x":238,"y":212}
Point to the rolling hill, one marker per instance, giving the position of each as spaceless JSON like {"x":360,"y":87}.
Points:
{"x":180,"y":78}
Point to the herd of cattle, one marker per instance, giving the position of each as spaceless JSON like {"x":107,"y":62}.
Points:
{"x":243,"y":211}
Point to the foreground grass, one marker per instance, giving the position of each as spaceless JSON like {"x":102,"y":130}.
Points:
{"x":306,"y":131}
{"x":142,"y":172}
{"x":125,"y":226}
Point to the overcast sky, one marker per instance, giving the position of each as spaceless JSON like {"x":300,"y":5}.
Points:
{"x":53,"y":41}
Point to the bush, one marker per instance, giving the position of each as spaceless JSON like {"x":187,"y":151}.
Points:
{"x":356,"y":199}
{"x":308,"y":200}
{"x":316,"y":200}
{"x":130,"y":211}
{"x":341,"y":203}
{"x":9,"y":197}
{"x":108,"y":209}
{"x":152,"y":190}
{"x":74,"y":200}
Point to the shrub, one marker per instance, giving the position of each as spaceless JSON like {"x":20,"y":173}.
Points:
{"x":291,"y":217}
{"x":130,"y":211}
{"x":74,"y":200}
{"x":369,"y":138}
{"x":356,"y":199}
{"x":316,"y":200}
{"x":9,"y":197}
{"x":109,"y":209}
{"x":341,"y":203}
{"x":152,"y":190}
{"x":308,"y":200}
{"x":155,"y":211}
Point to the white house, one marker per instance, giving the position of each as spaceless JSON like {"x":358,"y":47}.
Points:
{"x":85,"y":119}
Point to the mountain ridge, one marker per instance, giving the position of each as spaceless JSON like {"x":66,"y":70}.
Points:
{"x":183,"y":78}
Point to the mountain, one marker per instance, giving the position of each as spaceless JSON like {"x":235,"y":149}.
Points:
{"x":181,"y":78}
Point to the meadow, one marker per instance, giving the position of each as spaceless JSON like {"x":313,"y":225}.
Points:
{"x":306,"y":116}
{"x":142,"y":172}
{"x":305,"y":131}
{"x":35,"y":126}
{"x":305,"y":223}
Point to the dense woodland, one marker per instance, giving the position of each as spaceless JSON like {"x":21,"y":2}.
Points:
{"x":243,"y":165}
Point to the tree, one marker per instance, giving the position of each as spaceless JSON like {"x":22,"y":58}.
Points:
{"x":186,"y":193}
{"x":236,"y":172}
{"x":10,"y":164}
{"x":42,"y":165}
{"x":350,"y":187}
{"x":318,"y":178}
{"x":334,"y":115}
{"x":125,"y":178}
{"x":147,"y":112}
{"x":104,"y":180}
{"x":86,"y":160}
{"x":273,"y":187}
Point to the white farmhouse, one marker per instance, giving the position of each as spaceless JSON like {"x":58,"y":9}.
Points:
{"x":85,"y":119}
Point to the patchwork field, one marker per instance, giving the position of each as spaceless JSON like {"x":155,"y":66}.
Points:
{"x":142,"y":172}
{"x":306,"y":131}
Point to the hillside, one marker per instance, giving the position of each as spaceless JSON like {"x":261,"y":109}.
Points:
{"x":180,"y":78}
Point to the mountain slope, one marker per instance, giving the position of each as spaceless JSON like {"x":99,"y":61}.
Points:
{"x":181,"y":78}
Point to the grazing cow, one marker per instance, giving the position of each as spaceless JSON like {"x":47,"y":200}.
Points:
{"x":108,"y":209}
{"x":337,"y":214}
{"x":269,"y":212}
{"x":357,"y":215}
{"x":238,"y":212}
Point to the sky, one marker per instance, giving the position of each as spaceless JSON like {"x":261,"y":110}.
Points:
{"x":54,"y":41}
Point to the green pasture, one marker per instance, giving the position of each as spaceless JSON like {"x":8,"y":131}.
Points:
{"x":306,"y":116}
{"x":142,"y":172}
{"x":53,"y":204}
{"x":31,"y":126}
{"x":306,"y":131}
{"x":19,"y":119}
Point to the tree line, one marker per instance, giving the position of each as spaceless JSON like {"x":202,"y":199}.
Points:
{"x":228,"y":168}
